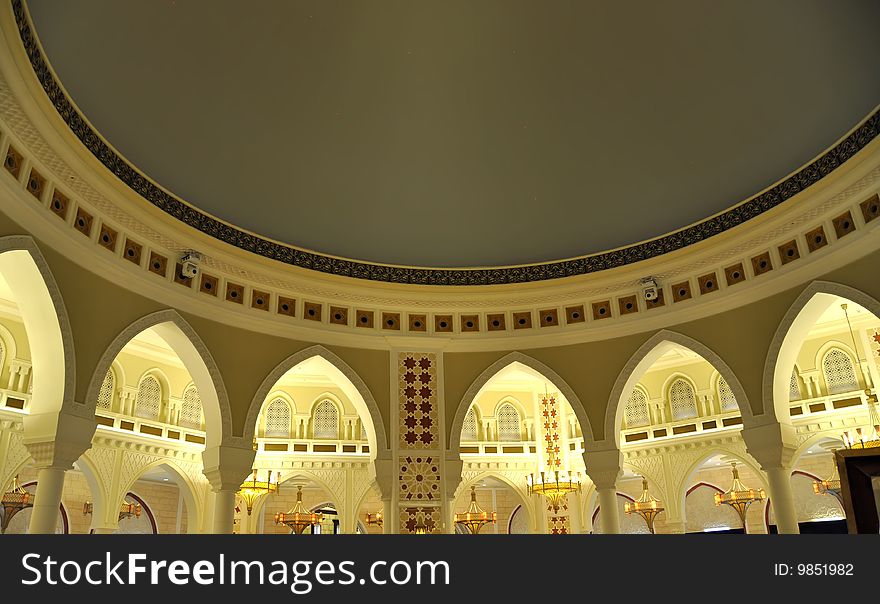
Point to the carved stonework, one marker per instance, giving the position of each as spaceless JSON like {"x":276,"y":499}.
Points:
{"x":16,"y":455}
{"x":103,"y":460}
{"x":180,"y":210}
{"x":419,"y":478}
{"x":417,"y":387}
{"x":410,"y":517}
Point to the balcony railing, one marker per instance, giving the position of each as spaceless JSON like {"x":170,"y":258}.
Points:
{"x":312,"y":447}
{"x":149,"y":428}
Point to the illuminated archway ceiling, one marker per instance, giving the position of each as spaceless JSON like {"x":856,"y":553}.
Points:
{"x":462,"y":133}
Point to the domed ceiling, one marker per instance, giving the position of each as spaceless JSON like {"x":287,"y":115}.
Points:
{"x":465,"y":133}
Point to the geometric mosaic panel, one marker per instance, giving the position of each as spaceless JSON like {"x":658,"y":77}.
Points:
{"x":417,"y":388}
{"x":409,"y":518}
{"x":419,"y":479}
{"x":558,"y":525}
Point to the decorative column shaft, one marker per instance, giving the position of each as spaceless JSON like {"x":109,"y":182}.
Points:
{"x":44,"y":514}
{"x":226,"y":467}
{"x":773,"y":445}
{"x":782,"y":499}
{"x":224,"y":512}
{"x":604,"y":468}
{"x":609,"y":514}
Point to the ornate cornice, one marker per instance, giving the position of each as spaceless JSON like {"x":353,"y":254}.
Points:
{"x":182,"y":211}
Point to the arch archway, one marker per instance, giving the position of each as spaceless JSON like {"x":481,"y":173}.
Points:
{"x":642,"y":360}
{"x":348,"y":381}
{"x":196,"y":358}
{"x":186,"y":490}
{"x":523,"y":501}
{"x":49,"y":333}
{"x":529,"y":365}
{"x":804,"y":312}
{"x":719,"y":458}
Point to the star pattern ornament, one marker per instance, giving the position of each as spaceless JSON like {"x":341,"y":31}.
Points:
{"x":417,"y":382}
{"x":410,"y":516}
{"x":419,"y":478}
{"x":558,"y":525}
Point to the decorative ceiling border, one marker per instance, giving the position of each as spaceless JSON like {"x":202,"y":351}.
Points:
{"x":182,"y":211}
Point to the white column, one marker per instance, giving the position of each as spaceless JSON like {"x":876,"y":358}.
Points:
{"x":389,"y":518}
{"x":226,"y":467}
{"x":574,"y":513}
{"x":604,"y":468}
{"x":608,"y":511}
{"x":782,"y":499}
{"x":224,"y":512}
{"x":44,"y":514}
{"x":773,"y":445}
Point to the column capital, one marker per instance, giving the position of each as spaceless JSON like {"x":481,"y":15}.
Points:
{"x":772,"y":444}
{"x":452,"y":468}
{"x":385,"y":477}
{"x":56,"y":440}
{"x":226,"y":467}
{"x":604,"y":466}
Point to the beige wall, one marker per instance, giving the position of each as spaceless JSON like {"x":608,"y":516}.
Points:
{"x":161,"y":498}
{"x":99,"y":310}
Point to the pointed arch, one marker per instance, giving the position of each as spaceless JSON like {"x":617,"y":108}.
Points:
{"x":681,"y":490}
{"x":278,"y":417}
{"x":524,"y":499}
{"x":194,"y":507}
{"x":534,"y":365}
{"x":197,"y":359}
{"x":108,"y":390}
{"x":8,"y":347}
{"x":152,"y":395}
{"x":803,"y":313}
{"x":46,"y":322}
{"x":325,"y":418}
{"x":641,"y":361}
{"x":351,"y":384}
{"x":470,"y":428}
{"x":839,"y":368}
{"x":97,"y":489}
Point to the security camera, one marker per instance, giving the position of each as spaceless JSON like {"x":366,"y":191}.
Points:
{"x":650,"y":289}
{"x":189,"y":264}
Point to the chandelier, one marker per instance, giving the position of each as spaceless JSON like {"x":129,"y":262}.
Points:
{"x":831,"y":485}
{"x":14,"y":501}
{"x":475,"y":517}
{"x":556,"y":484}
{"x":253,"y":489}
{"x":646,"y":506}
{"x":298,"y":519}
{"x":739,"y":496}
{"x":127,"y":509}
{"x":374,"y":519}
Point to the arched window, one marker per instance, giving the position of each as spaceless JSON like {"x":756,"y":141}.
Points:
{"x":840,"y":376}
{"x":326,"y":420}
{"x":794,"y":387}
{"x":278,"y":419}
{"x":105,"y":394}
{"x":725,"y":395}
{"x":149,"y":398}
{"x":469,"y":430}
{"x":191,"y":410}
{"x":508,"y":423}
{"x":637,"y":409}
{"x":682,"y":400}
